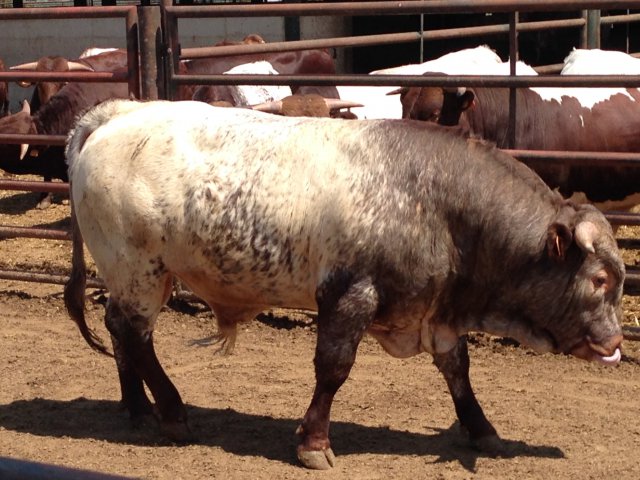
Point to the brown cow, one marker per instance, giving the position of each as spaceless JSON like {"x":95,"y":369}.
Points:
{"x":575,"y":119}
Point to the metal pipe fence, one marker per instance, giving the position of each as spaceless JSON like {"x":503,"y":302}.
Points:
{"x":141,"y":46}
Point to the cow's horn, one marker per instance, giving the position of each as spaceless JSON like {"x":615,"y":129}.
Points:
{"x":24,"y":147}
{"x":79,"y":67}
{"x":337,"y":103}
{"x":269,"y":107}
{"x":586,"y":232}
{"x":25,"y":66}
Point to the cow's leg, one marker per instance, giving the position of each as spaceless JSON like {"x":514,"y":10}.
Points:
{"x":134,"y":397}
{"x":454,"y":365}
{"x":131,"y":322}
{"x":345,"y":310}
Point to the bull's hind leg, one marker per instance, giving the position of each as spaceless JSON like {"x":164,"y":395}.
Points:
{"x":345,"y":310}
{"x":454,"y":365}
{"x":132,"y":338}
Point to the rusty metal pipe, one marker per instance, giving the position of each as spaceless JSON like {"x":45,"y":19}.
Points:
{"x":89,"y":77}
{"x":39,"y":277}
{"x":592,"y":159}
{"x":623,"y":218}
{"x":620,"y":81}
{"x":63,"y":12}
{"x":380,"y":39}
{"x":32,"y":139}
{"x":613,"y":19}
{"x":28,"y":186}
{"x":32,"y":232}
{"x":414,"y":7}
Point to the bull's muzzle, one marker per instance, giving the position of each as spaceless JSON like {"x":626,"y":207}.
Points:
{"x":606,"y":353}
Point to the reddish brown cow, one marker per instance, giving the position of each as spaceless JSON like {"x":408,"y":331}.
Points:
{"x":549,"y":119}
{"x":107,"y":61}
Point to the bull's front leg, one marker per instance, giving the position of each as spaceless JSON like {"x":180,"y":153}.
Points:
{"x":345,"y":310}
{"x":454,"y":365}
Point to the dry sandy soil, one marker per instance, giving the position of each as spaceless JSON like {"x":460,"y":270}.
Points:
{"x":559,"y":417}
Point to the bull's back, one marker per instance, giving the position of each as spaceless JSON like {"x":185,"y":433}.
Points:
{"x":223,"y":194}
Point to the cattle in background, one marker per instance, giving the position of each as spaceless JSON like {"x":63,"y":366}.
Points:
{"x":574,"y":119}
{"x":91,"y":60}
{"x":4,"y":94}
{"x":56,"y":117}
{"x":405,"y":230}
{"x":243,"y":95}
{"x":379,"y":102}
{"x":309,"y":62}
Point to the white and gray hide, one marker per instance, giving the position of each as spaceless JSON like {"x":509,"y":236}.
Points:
{"x":404,"y":230}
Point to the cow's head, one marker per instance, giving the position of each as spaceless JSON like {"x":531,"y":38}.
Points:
{"x":570,"y":301}
{"x":46,"y":90}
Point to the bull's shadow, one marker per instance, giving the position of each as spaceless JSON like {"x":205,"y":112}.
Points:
{"x":246,"y":434}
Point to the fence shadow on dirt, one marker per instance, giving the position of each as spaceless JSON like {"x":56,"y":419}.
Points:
{"x":246,"y":434}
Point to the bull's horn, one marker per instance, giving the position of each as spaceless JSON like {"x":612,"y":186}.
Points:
{"x":24,"y":147}
{"x":269,"y":107}
{"x":586,"y":232}
{"x":398,"y":91}
{"x":337,"y":103}
{"x":25,"y":66}
{"x":79,"y":67}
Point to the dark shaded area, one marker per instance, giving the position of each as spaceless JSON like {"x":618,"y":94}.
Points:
{"x":249,"y":435}
{"x":536,"y":48}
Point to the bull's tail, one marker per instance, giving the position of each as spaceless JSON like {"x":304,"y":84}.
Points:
{"x":74,"y":289}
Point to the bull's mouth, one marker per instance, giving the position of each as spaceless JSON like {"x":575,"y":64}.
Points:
{"x":608,"y":354}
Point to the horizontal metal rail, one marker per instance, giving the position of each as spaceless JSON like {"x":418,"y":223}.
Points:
{"x":30,"y":186}
{"x":380,"y":39}
{"x":50,"y":13}
{"x":503,"y":81}
{"x":414,"y":7}
{"x":33,"y":232}
{"x":89,"y":77}
{"x":33,"y":139}
{"x":39,"y":277}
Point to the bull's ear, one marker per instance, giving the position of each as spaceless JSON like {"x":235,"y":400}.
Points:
{"x":559,"y":238}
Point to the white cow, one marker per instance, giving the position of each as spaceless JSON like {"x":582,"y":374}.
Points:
{"x":409,"y":232}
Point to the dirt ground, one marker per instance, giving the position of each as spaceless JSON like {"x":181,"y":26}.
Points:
{"x":559,"y":417}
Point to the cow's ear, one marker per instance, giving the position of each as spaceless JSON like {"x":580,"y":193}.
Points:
{"x":467,"y":100}
{"x":559,"y":238}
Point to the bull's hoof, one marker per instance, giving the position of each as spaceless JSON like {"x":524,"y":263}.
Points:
{"x":317,"y":459}
{"x":489,"y":444}
{"x":178,"y":432}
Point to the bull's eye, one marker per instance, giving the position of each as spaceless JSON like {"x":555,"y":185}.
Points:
{"x":600,"y":280}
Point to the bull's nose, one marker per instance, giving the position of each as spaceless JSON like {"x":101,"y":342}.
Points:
{"x":608,"y":346}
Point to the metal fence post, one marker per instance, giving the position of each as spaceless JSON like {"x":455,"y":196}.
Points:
{"x":150,"y":41}
{"x":593,"y":28}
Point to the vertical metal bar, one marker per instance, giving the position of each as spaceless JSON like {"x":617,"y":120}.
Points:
{"x":513,"y":58}
{"x":421,"y":37}
{"x":150,"y":39}
{"x":593,"y":29}
{"x":133,"y":63}
{"x":584,"y":30}
{"x":172,"y":51}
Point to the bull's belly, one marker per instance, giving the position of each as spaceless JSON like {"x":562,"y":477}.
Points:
{"x":249,"y":289}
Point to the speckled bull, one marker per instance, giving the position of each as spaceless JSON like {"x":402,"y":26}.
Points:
{"x":404,"y":230}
